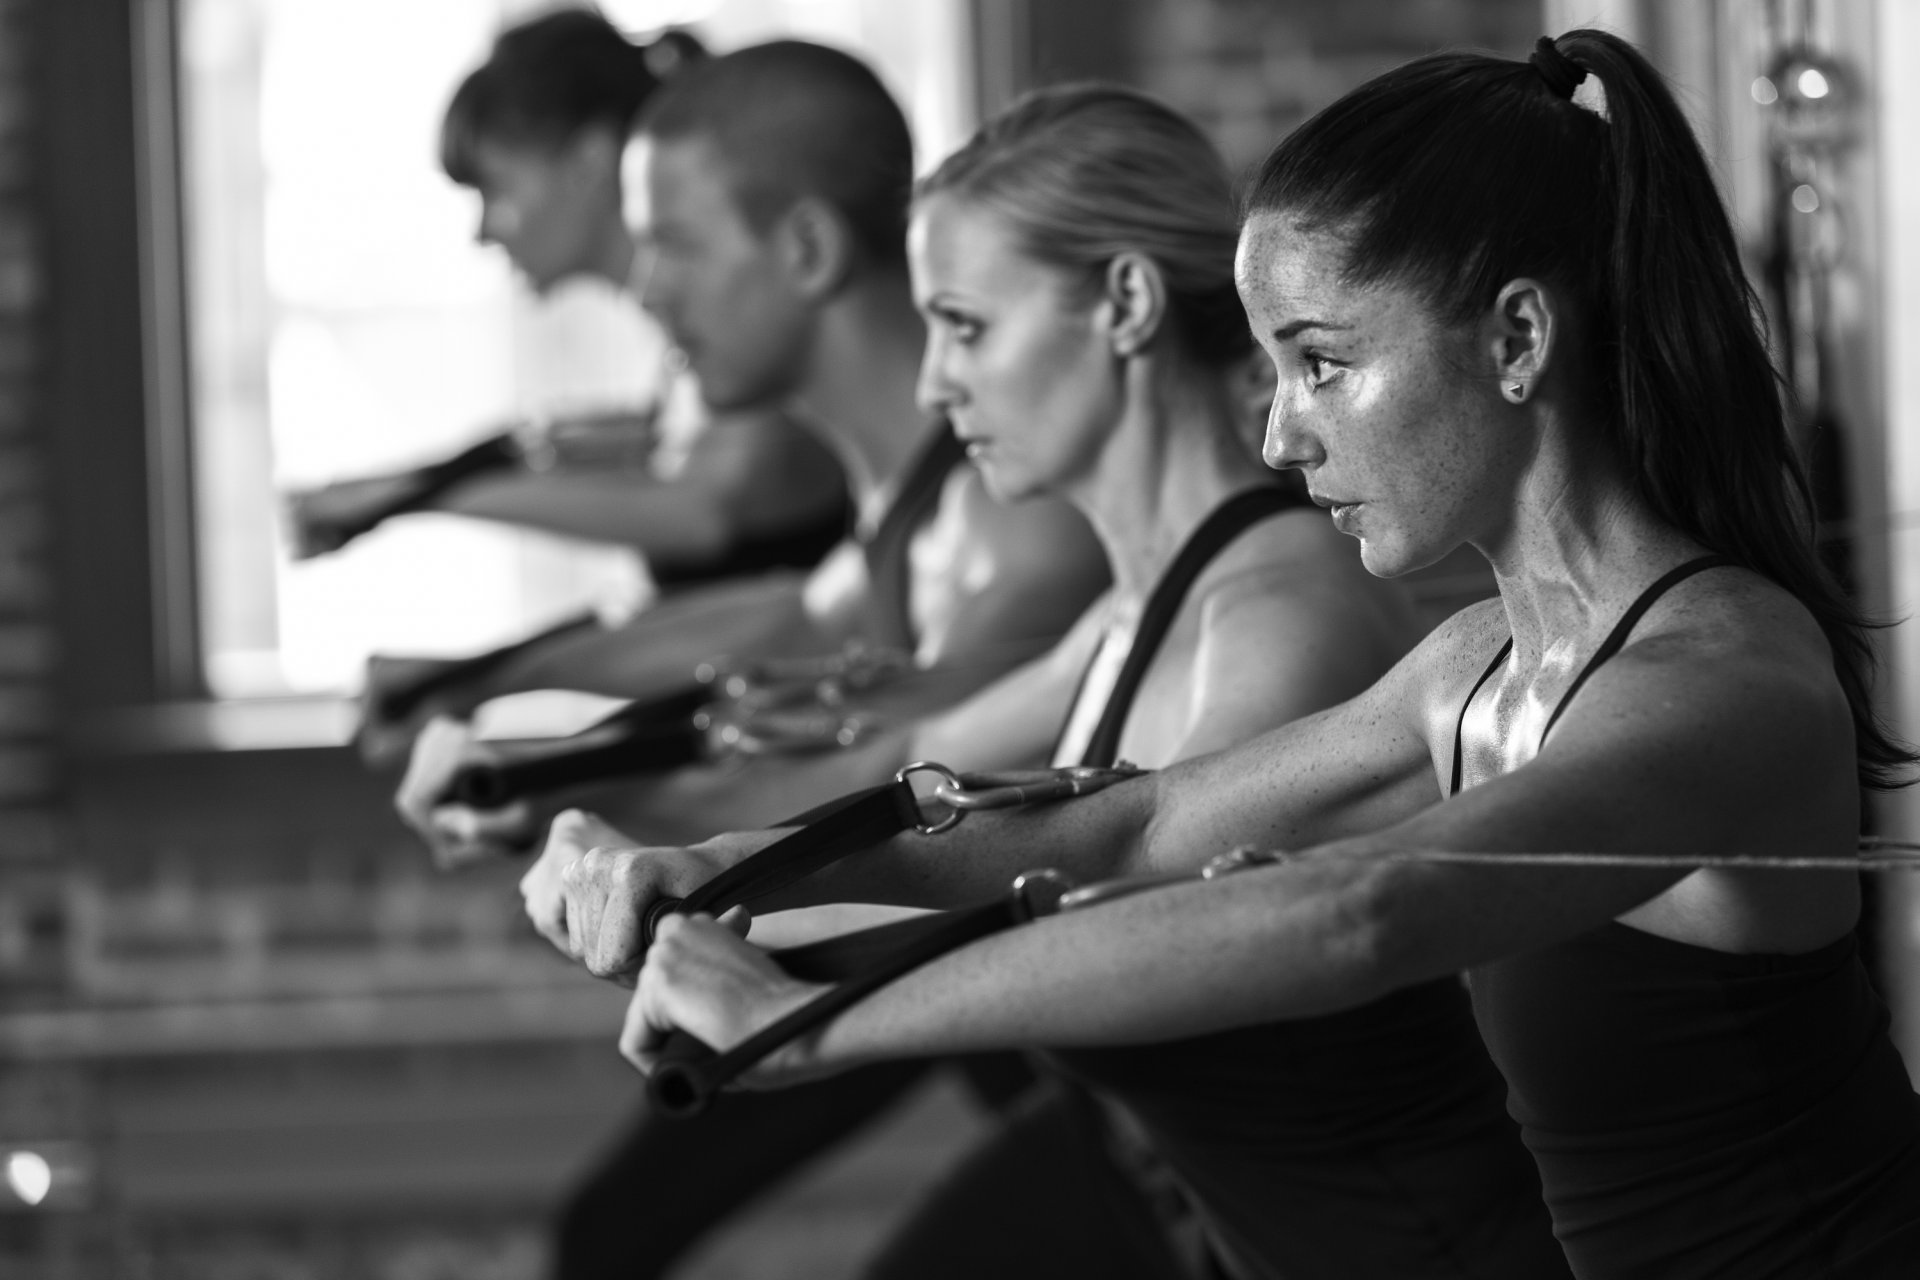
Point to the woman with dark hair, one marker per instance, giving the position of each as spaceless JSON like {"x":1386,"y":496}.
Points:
{"x":538,"y":131}
{"x":1507,"y":317}
{"x":1074,"y":262}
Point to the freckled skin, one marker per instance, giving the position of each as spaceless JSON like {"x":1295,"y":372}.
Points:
{"x":1377,"y":404}
{"x":1014,"y":357}
{"x":714,"y":282}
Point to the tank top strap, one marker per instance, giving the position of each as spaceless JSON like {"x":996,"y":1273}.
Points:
{"x":1615,"y":641}
{"x":1617,"y":637}
{"x":885,"y":550}
{"x":1225,"y":523}
{"x":1460,"y":722}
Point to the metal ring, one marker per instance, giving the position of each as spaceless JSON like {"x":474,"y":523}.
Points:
{"x":1025,"y":883}
{"x":950,"y":779}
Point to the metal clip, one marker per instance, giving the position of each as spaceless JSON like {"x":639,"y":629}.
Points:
{"x":1039,"y":893}
{"x":1237,"y":859}
{"x":965,"y":793}
{"x":1009,"y":790}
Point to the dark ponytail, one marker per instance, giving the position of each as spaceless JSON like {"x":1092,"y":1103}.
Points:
{"x":547,"y":79}
{"x":1459,"y":172}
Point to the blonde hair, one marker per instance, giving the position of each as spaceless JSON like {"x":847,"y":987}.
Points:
{"x":1082,"y":173}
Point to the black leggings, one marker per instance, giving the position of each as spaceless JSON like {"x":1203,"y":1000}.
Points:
{"x":1040,"y":1199}
{"x":662,"y":1187}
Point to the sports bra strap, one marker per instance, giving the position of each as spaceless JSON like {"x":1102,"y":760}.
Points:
{"x":1459,"y":725}
{"x":885,"y":551}
{"x":1226,"y":522}
{"x":1615,"y":641}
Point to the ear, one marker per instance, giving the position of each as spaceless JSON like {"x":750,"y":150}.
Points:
{"x":1133,"y":302}
{"x":1519,"y":336}
{"x":817,"y":246}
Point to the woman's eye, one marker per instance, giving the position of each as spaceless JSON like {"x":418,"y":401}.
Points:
{"x":965,"y":330}
{"x":1320,"y":370}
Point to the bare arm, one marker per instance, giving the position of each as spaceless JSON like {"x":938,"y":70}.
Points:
{"x":657,"y":652}
{"x":1664,"y":752}
{"x":1008,"y":725}
{"x":747,"y":475}
{"x":1361,"y":780}
{"x":1024,"y":571}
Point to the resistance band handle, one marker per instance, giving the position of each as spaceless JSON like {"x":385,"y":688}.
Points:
{"x":642,"y":737}
{"x":496,"y":453}
{"x":403,"y":700}
{"x":688,"y":1072}
{"x":683,"y":1081}
{"x":412,"y":491}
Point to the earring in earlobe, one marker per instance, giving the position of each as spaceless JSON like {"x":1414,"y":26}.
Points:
{"x":1516,"y":391}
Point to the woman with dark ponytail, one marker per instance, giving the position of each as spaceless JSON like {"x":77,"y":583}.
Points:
{"x":1623,"y":797}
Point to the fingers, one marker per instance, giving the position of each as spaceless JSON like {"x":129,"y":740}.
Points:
{"x":739,"y":920}
{"x":438,"y":752}
{"x":608,"y":892}
{"x":640,"y":1040}
{"x":703,"y":978}
{"x":464,"y":837}
{"x":458,"y":836}
{"x":542,"y":891}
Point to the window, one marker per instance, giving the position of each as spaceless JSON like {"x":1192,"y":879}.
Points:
{"x":342,"y":320}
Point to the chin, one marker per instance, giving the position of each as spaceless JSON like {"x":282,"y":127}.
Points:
{"x":1002,"y":487}
{"x":1390,"y":559}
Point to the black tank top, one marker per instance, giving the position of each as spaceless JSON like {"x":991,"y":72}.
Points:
{"x":886,"y":550}
{"x":1697,"y":1113}
{"x":1368,"y":1143}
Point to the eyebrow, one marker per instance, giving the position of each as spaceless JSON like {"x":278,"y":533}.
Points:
{"x":1298,"y":327}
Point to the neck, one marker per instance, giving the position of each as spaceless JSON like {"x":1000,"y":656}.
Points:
{"x":613,"y":253}
{"x":860,"y":381}
{"x":1174,"y":456}
{"x":1580,"y":543}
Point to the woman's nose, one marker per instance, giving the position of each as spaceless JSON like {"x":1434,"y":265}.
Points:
{"x":935,"y":390}
{"x":1288,"y":443}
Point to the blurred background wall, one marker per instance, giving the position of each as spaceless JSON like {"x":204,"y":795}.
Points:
{"x":244,"y":1031}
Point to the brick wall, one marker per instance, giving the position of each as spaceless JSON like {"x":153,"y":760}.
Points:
{"x":29,"y":935}
{"x":1250,"y":70}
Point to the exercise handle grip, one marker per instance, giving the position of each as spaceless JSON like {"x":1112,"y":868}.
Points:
{"x":686,"y":1075}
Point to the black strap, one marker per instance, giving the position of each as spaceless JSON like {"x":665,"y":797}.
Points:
{"x":423,"y":485}
{"x":826,"y":834}
{"x":1615,"y":641}
{"x":688,"y":1073}
{"x":889,"y":613}
{"x":1226,"y":522}
{"x":1460,"y":725}
{"x":802,"y":546}
{"x":658,"y":734}
{"x":402,"y":701}
{"x":661,"y":735}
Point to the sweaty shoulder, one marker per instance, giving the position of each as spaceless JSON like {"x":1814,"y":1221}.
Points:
{"x":1037,"y":535}
{"x":1290,"y":622}
{"x":1442,"y":671}
{"x":1299,"y":564}
{"x":1737,"y":647}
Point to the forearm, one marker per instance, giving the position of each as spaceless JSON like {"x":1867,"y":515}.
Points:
{"x":1091,"y":838}
{"x":658,"y":651}
{"x":691,"y":804}
{"x":1284,"y":942}
{"x":675,"y":524}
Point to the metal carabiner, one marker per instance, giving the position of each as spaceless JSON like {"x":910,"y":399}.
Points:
{"x":1238,"y":859}
{"x":965,"y":793}
{"x":1008,"y":790}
